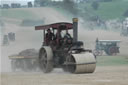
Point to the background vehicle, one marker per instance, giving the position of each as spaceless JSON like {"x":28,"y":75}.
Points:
{"x":110,"y":47}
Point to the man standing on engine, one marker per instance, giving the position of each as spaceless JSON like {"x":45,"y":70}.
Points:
{"x":49,"y":37}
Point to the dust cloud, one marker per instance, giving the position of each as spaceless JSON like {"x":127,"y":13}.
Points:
{"x":27,"y":37}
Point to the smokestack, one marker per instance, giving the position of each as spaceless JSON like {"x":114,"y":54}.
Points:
{"x":75,"y":29}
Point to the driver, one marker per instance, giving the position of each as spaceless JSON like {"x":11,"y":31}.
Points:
{"x":67,"y":38}
{"x":67,"y":35}
{"x":49,"y":37}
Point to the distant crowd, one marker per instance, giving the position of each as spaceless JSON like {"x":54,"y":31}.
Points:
{"x":15,"y":5}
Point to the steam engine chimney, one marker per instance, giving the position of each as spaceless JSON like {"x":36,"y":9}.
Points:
{"x":75,"y":30}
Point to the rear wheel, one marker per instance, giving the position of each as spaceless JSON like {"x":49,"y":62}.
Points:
{"x":26,"y":65}
{"x":98,"y":52}
{"x":46,"y":60}
{"x":112,"y":50}
{"x":13,"y":65}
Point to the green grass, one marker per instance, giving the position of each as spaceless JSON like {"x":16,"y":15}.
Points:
{"x":108,"y":10}
{"x":64,"y":12}
{"x":17,"y":14}
{"x":112,"y":10}
{"x":111,"y":60}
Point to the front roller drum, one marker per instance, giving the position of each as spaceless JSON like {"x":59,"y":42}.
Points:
{"x":81,"y":63}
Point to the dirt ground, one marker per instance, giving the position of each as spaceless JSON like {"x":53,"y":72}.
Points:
{"x":27,"y":37}
{"x":102,"y":76}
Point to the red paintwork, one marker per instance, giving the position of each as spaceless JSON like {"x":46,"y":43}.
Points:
{"x":55,"y":26}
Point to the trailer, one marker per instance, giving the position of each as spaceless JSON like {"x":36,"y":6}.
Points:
{"x":26,"y":60}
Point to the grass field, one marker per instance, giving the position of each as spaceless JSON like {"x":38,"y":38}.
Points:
{"x":112,"y":60}
{"x":106,"y":10}
{"x":17,"y":14}
{"x":109,"y":10}
{"x":112,"y":10}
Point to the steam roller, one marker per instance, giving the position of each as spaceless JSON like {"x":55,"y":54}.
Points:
{"x":68,"y":54}
{"x":81,"y":63}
